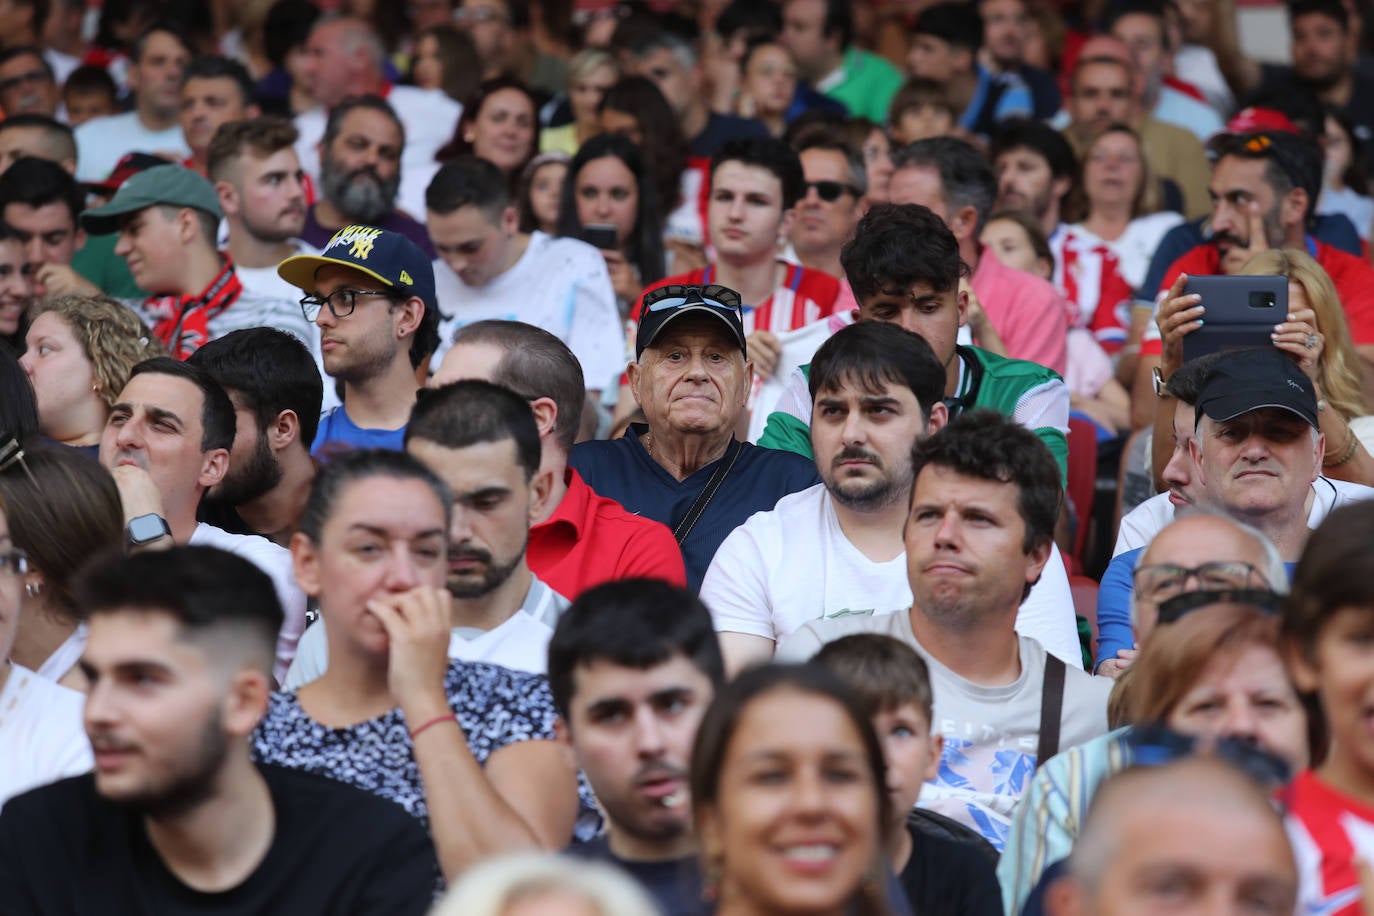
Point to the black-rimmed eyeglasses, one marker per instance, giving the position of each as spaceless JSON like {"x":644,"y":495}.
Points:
{"x":1162,"y":581}
{"x":341,"y":302}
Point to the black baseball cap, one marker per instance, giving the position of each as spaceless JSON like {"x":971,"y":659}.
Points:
{"x":666,"y":303}
{"x":1244,"y":380}
{"x":382,"y":254}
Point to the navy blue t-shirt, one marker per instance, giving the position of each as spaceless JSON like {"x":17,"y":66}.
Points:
{"x":675,"y":884}
{"x":719,"y":128}
{"x":620,"y":469}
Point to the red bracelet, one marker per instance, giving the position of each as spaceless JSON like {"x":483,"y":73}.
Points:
{"x":435,"y":721}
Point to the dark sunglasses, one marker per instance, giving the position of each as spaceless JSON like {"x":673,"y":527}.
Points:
{"x":1155,"y":745}
{"x":676,"y":294}
{"x":1181,"y":606}
{"x":830,"y":191}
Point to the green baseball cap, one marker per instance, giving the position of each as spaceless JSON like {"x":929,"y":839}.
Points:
{"x":162,"y":185}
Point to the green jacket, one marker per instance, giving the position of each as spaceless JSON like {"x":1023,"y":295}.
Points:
{"x":868,"y":85}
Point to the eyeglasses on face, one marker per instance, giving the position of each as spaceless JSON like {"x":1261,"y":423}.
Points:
{"x":1157,"y":745}
{"x":341,"y":302}
{"x":1162,"y":581}
{"x":676,"y":294}
{"x":830,"y":191}
{"x":14,"y":82}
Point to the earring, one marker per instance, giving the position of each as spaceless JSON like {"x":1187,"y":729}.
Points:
{"x":33,"y":589}
{"x":711,"y":875}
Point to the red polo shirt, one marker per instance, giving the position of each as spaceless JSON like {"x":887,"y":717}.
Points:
{"x":590,"y":539}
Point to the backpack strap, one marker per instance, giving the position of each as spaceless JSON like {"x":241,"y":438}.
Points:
{"x":1051,"y":709}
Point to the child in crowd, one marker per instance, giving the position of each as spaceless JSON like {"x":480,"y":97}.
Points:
{"x":1094,"y":393}
{"x":89,"y":92}
{"x":922,"y":109}
{"x":540,"y":187}
{"x":943,"y":866}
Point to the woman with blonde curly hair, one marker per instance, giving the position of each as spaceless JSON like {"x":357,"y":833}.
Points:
{"x":1326,"y":354}
{"x":80,"y":350}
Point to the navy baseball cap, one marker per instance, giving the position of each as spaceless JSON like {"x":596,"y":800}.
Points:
{"x":666,"y":303}
{"x":386,"y":256}
{"x":1244,"y":380}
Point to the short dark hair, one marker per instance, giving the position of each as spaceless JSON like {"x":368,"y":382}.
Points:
{"x":472,"y":412}
{"x":271,"y":370}
{"x":956,"y":23}
{"x":217,"y":66}
{"x":334,"y":125}
{"x":1331,"y":9}
{"x":826,"y":137}
{"x":873,"y":353}
{"x":634,"y":623}
{"x":264,"y":135}
{"x":966,"y":177}
{"x":204,"y":588}
{"x":1186,"y":381}
{"x":39,"y":182}
{"x":9,"y":54}
{"x":363,"y":464}
{"x":1292,"y":160}
{"x":751,"y":16}
{"x":287,"y":26}
{"x":986,"y":445}
{"x":217,"y":418}
{"x":1038,"y":137}
{"x":885,"y":672}
{"x":768,"y":153}
{"x":839,"y":19}
{"x":468,"y":181}
{"x":91,"y":78}
{"x":166,"y":28}
{"x":917,"y":92}
{"x":535,"y":364}
{"x":57,"y":137}
{"x":897,"y":246}
{"x":1152,"y":8}
{"x":1335,"y":571}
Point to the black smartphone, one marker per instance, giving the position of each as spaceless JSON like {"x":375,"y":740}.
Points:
{"x":600,"y":235}
{"x":1241,"y":311}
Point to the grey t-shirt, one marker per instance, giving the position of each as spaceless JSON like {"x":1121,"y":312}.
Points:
{"x":990,"y":733}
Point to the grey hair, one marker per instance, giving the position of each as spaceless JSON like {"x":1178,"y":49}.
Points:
{"x":666,"y":41}
{"x":966,"y":177}
{"x":357,"y":35}
{"x":488,"y":889}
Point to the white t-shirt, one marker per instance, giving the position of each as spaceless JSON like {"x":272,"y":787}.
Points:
{"x":41,"y":736}
{"x":560,"y":285}
{"x":266,"y":283}
{"x":1141,"y":524}
{"x":102,"y":142}
{"x":429,"y":117}
{"x":990,"y":733}
{"x":65,"y":656}
{"x":276,"y":562}
{"x":792,"y":565}
{"x":1137,"y":245}
{"x":520,"y":643}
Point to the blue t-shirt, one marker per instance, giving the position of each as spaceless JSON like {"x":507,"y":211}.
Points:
{"x":340,"y":433}
{"x":1114,"y":629}
{"x":620,"y":469}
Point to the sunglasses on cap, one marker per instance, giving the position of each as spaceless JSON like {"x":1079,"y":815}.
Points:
{"x":1155,"y":745}
{"x":1180,"y":606}
{"x":830,"y":191}
{"x":679,"y":294}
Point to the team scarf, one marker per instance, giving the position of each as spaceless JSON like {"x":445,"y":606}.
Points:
{"x":183,"y":322}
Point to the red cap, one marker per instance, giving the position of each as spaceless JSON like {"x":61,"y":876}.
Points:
{"x":1254,"y":120}
{"x":127,"y":167}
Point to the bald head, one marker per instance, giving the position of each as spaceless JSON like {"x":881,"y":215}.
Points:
{"x":1198,"y":828}
{"x":1199,"y":538}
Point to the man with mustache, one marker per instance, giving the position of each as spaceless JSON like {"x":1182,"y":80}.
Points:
{"x":482,"y":440}
{"x":166,"y":443}
{"x":360,"y":173}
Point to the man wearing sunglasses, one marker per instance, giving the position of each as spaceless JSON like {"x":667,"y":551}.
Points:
{"x":830,"y":209}
{"x":371,"y":294}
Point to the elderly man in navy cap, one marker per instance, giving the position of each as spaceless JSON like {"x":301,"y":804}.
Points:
{"x":684,"y":467}
{"x":371,"y":293}
{"x":168,"y":218}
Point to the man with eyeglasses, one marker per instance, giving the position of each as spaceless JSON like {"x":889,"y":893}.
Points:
{"x":27,"y":84}
{"x":371,"y":294}
{"x":167,"y":218}
{"x":684,"y":467}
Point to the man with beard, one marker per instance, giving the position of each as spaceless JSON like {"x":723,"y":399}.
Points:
{"x":167,"y":218}
{"x":1143,"y":26}
{"x":371,"y":294}
{"x":978,"y":533}
{"x":632,"y":667}
{"x":272,"y":382}
{"x":262,"y":192}
{"x":360,"y":173}
{"x":834,"y":549}
{"x":1264,"y":190}
{"x":166,"y":443}
{"x":176,"y":816}
{"x":480,"y":439}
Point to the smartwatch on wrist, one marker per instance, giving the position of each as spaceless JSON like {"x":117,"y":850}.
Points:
{"x":144,"y":529}
{"x":1161,"y":389}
